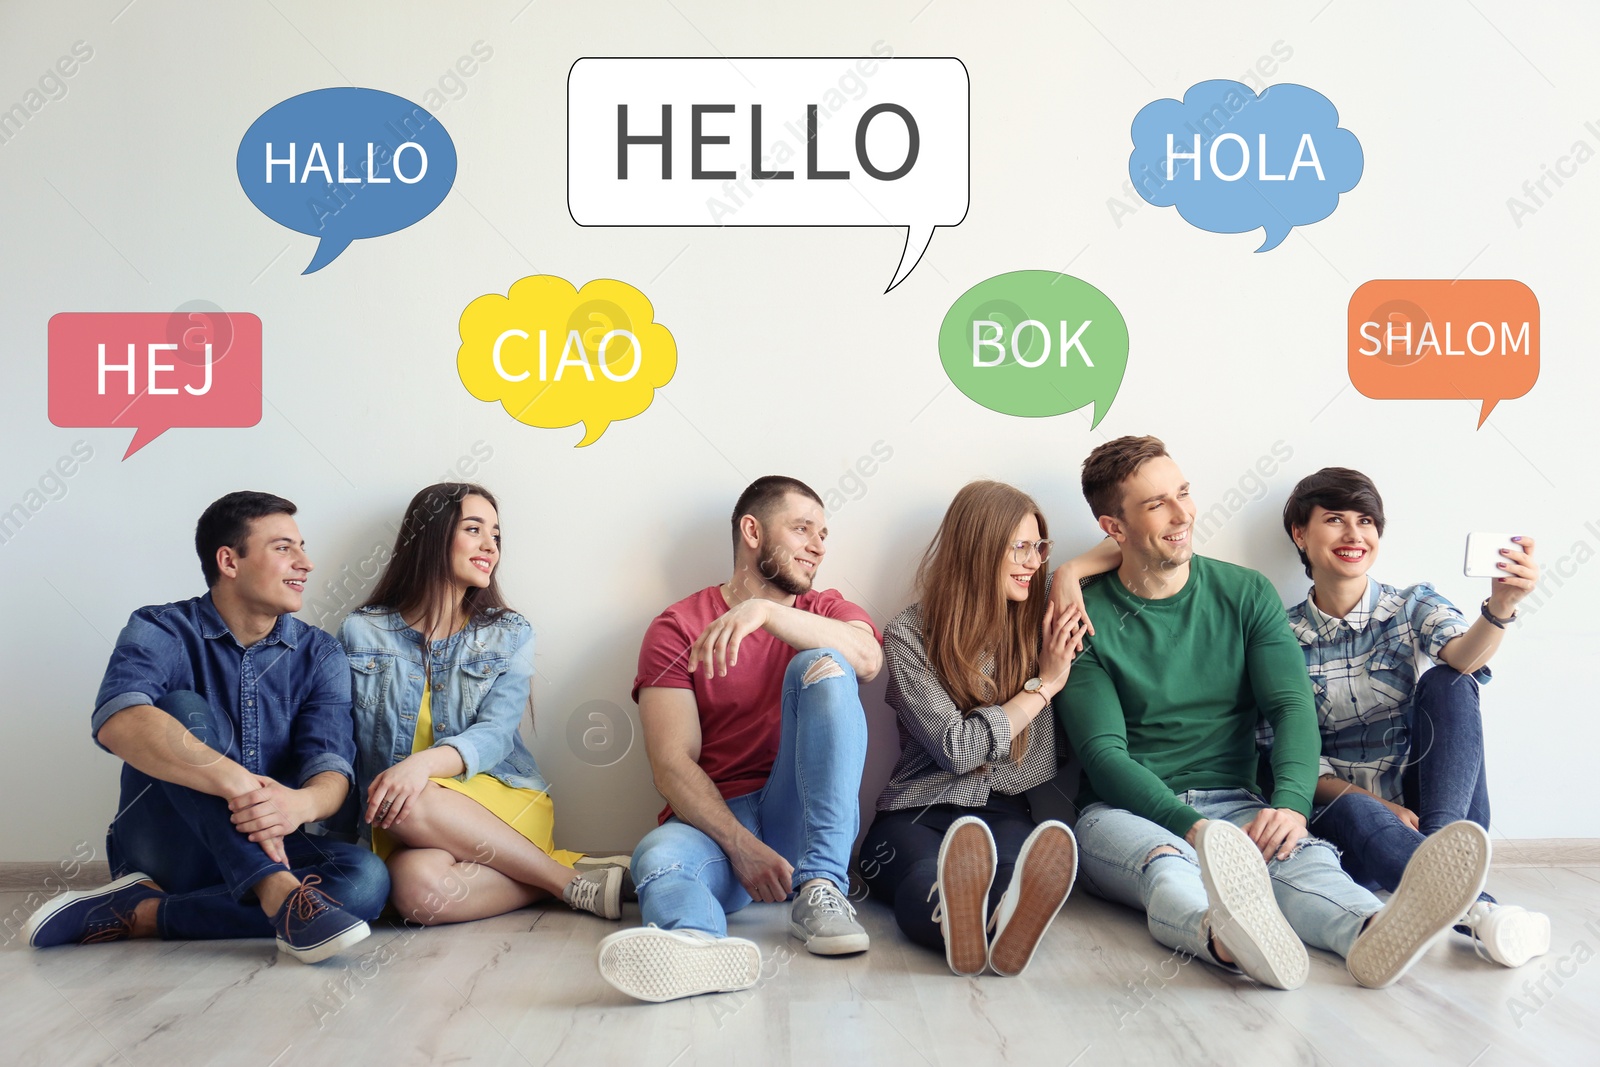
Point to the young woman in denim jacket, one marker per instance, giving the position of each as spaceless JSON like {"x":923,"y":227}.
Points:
{"x":441,"y":670}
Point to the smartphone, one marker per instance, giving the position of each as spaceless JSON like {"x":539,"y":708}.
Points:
{"x":1483,"y":553}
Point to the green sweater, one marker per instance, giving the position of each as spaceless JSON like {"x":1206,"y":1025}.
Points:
{"x":1165,"y":697}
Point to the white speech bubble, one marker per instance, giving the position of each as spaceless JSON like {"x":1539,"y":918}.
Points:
{"x":859,"y":168}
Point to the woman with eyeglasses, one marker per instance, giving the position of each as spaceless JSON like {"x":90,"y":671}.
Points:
{"x":441,"y":669}
{"x":973,"y":666}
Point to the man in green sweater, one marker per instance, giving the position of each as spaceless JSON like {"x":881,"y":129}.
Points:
{"x":1187,"y":654}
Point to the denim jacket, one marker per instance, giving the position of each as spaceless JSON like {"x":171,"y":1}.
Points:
{"x":481,"y":678}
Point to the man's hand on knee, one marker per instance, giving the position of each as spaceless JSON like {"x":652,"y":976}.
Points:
{"x":765,"y":875}
{"x":1276,"y":831}
{"x":267,"y":814}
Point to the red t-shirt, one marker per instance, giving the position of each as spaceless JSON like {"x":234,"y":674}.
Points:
{"x":740,"y":714}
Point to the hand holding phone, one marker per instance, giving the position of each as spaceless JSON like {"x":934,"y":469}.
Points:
{"x":1483,"y":554}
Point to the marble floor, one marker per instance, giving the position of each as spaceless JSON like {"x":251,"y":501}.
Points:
{"x":523,"y":989}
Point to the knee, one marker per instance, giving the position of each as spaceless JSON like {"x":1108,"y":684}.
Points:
{"x":425,"y":886}
{"x":200,"y":717}
{"x":654,"y":857}
{"x":1156,"y":853}
{"x":815,"y":665}
{"x":363,"y":882}
{"x":1443,"y":689}
{"x":1352,"y":810}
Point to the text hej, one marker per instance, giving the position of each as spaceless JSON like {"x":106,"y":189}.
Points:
{"x":153,"y":366}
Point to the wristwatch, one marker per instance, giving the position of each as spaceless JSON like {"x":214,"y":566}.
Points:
{"x":1495,"y":620}
{"x":1036,"y":685}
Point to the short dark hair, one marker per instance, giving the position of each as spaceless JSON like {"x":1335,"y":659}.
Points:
{"x":227,"y":522}
{"x":1111,"y":464}
{"x":1333,"y":488}
{"x":763,"y":495}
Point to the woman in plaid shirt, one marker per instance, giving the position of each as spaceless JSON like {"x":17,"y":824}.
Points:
{"x":1402,"y":756}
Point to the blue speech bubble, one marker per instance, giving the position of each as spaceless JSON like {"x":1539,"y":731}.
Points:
{"x":342,"y":164}
{"x":1237,"y":161}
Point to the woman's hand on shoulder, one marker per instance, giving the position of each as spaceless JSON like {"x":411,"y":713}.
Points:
{"x":1063,"y":638}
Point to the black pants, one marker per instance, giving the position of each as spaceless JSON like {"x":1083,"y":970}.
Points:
{"x":900,"y":857}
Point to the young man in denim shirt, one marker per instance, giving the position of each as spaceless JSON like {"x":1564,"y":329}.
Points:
{"x":233,"y":722}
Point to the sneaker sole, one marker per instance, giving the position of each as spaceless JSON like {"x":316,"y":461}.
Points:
{"x":654,"y":965}
{"x":331,"y":947}
{"x":1444,"y":877}
{"x":1045,"y":870}
{"x":836,"y":945}
{"x":967,"y":860}
{"x":1244,"y":913}
{"x":53,"y":907}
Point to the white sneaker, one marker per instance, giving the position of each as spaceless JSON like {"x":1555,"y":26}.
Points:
{"x":1509,"y":935}
{"x":1040,"y":881}
{"x":967,"y":859}
{"x":649,"y":963}
{"x":1244,"y":915}
{"x":1445,"y":875}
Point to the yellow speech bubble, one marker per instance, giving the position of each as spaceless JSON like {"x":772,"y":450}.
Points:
{"x":555,"y":356}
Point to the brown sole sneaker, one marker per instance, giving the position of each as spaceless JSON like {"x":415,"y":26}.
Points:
{"x":967,"y":859}
{"x":1045,"y":870}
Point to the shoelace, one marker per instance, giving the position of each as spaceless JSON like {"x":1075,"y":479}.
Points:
{"x":1477,"y":940}
{"x":117,"y":928}
{"x":306,"y":902}
{"x":583,"y":893}
{"x":827,"y":900}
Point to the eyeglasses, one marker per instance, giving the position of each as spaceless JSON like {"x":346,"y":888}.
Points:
{"x":1021,"y":549}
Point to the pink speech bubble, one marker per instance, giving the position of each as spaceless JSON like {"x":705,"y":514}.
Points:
{"x":144,"y":370}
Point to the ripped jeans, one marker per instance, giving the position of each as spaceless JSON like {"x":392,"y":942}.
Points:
{"x":1323,"y":906}
{"x":808,"y":812}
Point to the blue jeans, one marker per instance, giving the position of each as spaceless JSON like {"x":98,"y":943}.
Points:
{"x":1444,"y":781}
{"x":808,"y":812}
{"x":1323,"y":906}
{"x":184,"y":840}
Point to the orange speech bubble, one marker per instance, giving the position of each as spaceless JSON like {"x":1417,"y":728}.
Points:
{"x":1443,"y":340}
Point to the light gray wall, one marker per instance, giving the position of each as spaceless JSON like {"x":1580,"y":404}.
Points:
{"x":121,"y":196}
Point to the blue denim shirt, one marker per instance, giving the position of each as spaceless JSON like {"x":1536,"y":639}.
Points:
{"x":481,"y":679}
{"x":288,"y":694}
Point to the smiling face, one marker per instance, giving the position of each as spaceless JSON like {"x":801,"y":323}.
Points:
{"x":1016,"y":578}
{"x":1339,"y":544}
{"x":270,"y":572}
{"x":475,"y":546}
{"x":1157,"y":523}
{"x":793,"y":542}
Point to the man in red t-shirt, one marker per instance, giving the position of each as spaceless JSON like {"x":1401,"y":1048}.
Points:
{"x":753,"y":723}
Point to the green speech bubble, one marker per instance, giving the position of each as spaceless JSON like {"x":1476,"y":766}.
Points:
{"x":1035,"y":343}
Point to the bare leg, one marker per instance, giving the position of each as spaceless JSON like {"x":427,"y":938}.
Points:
{"x":444,"y":821}
{"x":429,"y":886}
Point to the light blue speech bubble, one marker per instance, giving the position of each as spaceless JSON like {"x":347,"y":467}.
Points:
{"x":342,"y":164}
{"x":1232,"y":161}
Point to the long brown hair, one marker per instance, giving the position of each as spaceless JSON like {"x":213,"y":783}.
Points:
{"x":417,"y":579}
{"x":967,"y":619}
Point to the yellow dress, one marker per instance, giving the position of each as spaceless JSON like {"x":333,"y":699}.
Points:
{"x":527,"y":811}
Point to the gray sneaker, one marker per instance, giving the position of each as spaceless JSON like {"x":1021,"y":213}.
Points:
{"x":630,"y":895}
{"x":597,"y":891}
{"x":825,"y":921}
